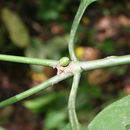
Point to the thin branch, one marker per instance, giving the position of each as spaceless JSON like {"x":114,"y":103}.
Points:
{"x":78,"y":66}
{"x":102,"y":63}
{"x":83,"y":5}
{"x":35,"y":89}
{"x":71,"y":103}
{"x":28,"y":60}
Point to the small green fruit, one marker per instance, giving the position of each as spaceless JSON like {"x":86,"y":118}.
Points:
{"x":64,"y":61}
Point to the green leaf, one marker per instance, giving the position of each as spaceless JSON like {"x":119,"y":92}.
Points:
{"x":1,"y":128}
{"x":2,"y":40}
{"x":55,"y":119}
{"x":49,"y":49}
{"x":107,"y":46}
{"x":68,"y":127}
{"x":40,"y":102}
{"x":115,"y":117}
{"x":17,"y":31}
{"x":35,"y":49}
{"x":51,"y":10}
{"x":127,"y":127}
{"x":56,"y":45}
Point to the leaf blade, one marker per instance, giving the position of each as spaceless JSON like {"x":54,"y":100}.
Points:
{"x":114,"y":117}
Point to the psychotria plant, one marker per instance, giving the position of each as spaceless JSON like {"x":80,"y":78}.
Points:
{"x":114,"y":117}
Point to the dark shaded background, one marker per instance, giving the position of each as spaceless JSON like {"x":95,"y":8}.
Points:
{"x":40,"y":28}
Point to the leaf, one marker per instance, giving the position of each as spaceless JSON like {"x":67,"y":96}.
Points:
{"x":17,"y":31}
{"x":115,"y":117}
{"x":68,"y":127}
{"x":55,"y":119}
{"x":107,"y":46}
{"x":40,"y":102}
{"x":35,"y":49}
{"x":51,"y":10}
{"x":127,"y":127}
{"x":1,"y":128}
{"x":55,"y":46}
{"x":2,"y":40}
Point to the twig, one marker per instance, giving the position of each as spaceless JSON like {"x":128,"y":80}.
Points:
{"x":35,"y":89}
{"x":78,"y":66}
{"x":102,"y":63}
{"x":28,"y":60}
{"x":83,"y":5}
{"x":71,"y":103}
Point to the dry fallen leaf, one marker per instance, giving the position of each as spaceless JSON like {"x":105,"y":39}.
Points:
{"x":91,"y":53}
{"x":87,"y":53}
{"x":106,"y":27}
{"x":57,"y":29}
{"x":37,"y":77}
{"x":123,"y":20}
{"x":98,"y":76}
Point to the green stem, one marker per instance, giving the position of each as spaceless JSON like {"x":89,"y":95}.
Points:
{"x":89,"y":65}
{"x":102,"y":63}
{"x":35,"y":89}
{"x":71,"y":103}
{"x":28,"y":60}
{"x":83,"y":5}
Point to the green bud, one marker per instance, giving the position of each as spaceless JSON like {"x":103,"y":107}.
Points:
{"x":64,"y":61}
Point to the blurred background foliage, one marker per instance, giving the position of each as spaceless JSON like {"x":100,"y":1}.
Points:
{"x":40,"y":28}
